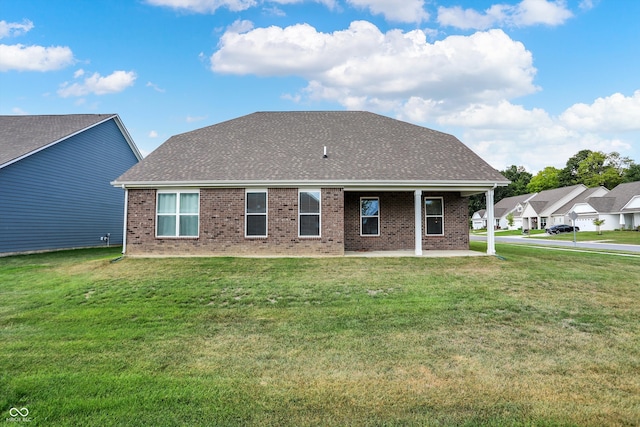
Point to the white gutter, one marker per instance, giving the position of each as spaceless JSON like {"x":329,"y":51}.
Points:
{"x":350,"y":185}
{"x":124,"y":231}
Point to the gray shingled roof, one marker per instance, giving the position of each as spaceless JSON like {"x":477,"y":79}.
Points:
{"x":616,"y":199}
{"x":580,"y":198}
{"x":508,"y":204}
{"x":548,"y":198}
{"x":21,"y":135}
{"x":288,"y":146}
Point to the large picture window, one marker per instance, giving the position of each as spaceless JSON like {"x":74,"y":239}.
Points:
{"x":369,"y":216}
{"x":309,"y":213}
{"x":256,"y":214}
{"x":178,"y":214}
{"x":434,"y":216}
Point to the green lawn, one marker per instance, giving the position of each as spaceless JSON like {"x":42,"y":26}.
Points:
{"x":622,"y":237}
{"x":542,"y":338}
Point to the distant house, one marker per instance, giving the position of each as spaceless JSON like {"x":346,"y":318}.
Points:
{"x":580,"y":205}
{"x":55,"y":174}
{"x":502,"y":209}
{"x":479,"y":220}
{"x":539,"y":209}
{"x":514,"y":205}
{"x":620,"y":208}
{"x":304,"y":183}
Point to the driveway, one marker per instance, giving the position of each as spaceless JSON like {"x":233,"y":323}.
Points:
{"x":544,"y":242}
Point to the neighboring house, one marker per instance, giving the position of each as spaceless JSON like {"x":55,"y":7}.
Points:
{"x":579,"y":205}
{"x":55,"y":174}
{"x":620,"y":208}
{"x":304,"y":183}
{"x":514,"y":204}
{"x":479,"y":220}
{"x":539,"y":209}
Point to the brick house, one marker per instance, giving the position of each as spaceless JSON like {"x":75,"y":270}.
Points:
{"x":304,"y":183}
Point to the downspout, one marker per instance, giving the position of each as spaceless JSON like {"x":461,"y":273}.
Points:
{"x":124,"y":231}
{"x":491,"y":237}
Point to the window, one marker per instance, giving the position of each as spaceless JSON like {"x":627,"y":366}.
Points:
{"x":178,"y":214}
{"x":369,"y":216}
{"x":256,"y":214}
{"x":309,"y":213}
{"x":434,"y":216}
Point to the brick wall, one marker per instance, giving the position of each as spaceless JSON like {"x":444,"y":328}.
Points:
{"x":222,"y":225}
{"x":397,"y":223}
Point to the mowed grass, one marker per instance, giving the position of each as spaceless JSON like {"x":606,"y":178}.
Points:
{"x":541,"y":338}
{"x":621,"y":237}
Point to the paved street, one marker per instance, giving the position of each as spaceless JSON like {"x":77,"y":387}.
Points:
{"x":545,"y":242}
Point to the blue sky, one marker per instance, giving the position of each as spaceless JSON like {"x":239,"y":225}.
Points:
{"x":524,"y":82}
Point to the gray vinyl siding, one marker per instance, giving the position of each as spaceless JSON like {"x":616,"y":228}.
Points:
{"x":61,"y":197}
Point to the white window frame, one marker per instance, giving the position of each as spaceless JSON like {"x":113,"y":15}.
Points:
{"x":177,"y":213}
{"x":369,"y":216}
{"x":319,"y":214}
{"x":265,"y":214}
{"x":426,"y":216}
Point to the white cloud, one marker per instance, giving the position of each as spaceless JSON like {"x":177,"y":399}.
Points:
{"x":13,"y":29}
{"x":613,"y":113}
{"x":504,"y":134}
{"x":34,"y":58}
{"x":192,"y":119}
{"x":502,"y":115}
{"x":205,"y":6}
{"x":240,"y":26}
{"x":155,"y":87}
{"x":153,"y":134}
{"x":78,"y":73}
{"x":525,"y":13}
{"x":393,"y":10}
{"x":98,"y":85}
{"x":362,"y":65}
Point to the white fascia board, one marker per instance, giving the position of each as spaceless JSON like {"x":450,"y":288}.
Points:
{"x":127,"y":137}
{"x":471,"y":187}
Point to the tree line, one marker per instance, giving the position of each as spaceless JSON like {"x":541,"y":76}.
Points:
{"x":591,"y":168}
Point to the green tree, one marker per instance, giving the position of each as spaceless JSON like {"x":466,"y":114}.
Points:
{"x":598,"y":223}
{"x":569,"y":175}
{"x":600,"y":169}
{"x":632,"y":174}
{"x":546,"y":179}
{"x":510,"y":220}
{"x":519,"y":178}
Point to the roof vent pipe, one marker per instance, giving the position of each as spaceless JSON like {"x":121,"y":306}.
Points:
{"x":324,"y":155}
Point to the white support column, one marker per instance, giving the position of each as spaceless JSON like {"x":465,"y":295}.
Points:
{"x":491,"y":235}
{"x":417,"y":202}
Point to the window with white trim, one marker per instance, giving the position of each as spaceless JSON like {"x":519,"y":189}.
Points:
{"x":178,"y":213}
{"x":309,"y":213}
{"x":369,"y":216}
{"x":256,"y":214}
{"x":434,"y":216}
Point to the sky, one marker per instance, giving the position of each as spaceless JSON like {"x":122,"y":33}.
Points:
{"x":520,"y":82}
